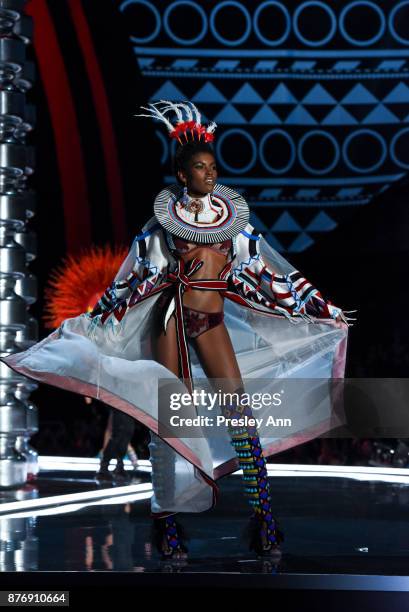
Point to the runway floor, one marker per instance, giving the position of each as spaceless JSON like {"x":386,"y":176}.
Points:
{"x":345,"y":528}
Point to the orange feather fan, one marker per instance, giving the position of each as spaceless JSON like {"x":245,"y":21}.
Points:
{"x":76,"y":286}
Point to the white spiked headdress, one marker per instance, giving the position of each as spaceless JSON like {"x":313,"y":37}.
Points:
{"x":188,"y":126}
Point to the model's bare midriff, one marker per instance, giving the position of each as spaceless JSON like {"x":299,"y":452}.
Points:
{"x":213,"y":264}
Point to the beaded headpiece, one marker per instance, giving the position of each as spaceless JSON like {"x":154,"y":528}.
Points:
{"x":188,"y":126}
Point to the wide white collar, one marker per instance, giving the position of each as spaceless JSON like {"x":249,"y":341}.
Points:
{"x":224,"y":214}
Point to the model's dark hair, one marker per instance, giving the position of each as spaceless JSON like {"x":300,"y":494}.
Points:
{"x":184,"y":154}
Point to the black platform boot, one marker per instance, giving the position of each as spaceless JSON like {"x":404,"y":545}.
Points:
{"x":103,"y":474}
{"x":120,"y":474}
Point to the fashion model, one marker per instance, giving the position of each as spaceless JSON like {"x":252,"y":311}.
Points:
{"x":200,"y":294}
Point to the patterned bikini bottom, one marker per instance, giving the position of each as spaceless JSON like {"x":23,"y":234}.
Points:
{"x":197,"y":322}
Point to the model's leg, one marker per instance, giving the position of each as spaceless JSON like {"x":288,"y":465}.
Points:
{"x":108,"y":431}
{"x":222,"y":364}
{"x":217,"y":357}
{"x":165,"y":348}
{"x":122,"y":430}
{"x":166,"y":533}
{"x":123,"y":427}
{"x":103,"y":470}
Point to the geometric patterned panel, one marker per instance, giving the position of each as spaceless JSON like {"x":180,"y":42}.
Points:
{"x":311,"y":99}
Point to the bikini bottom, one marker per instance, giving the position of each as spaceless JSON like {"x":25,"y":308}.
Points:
{"x":197,"y":322}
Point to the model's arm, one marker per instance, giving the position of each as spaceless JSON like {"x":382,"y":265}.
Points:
{"x":295,"y":293}
{"x":289,"y":294}
{"x":117,"y":292}
{"x":123,"y":285}
{"x":137,"y":273}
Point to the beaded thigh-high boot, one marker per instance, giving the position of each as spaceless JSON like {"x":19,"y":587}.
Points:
{"x":263,"y":530}
{"x":167,"y":536}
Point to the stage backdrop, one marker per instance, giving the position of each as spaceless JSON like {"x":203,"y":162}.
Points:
{"x":312,"y":99}
{"x":312,"y":102}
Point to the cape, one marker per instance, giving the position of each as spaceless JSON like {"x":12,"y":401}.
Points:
{"x":284,"y":335}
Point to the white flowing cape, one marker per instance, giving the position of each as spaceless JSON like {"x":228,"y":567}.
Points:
{"x":280,"y":327}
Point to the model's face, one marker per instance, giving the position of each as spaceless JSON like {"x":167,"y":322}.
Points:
{"x":201,"y":174}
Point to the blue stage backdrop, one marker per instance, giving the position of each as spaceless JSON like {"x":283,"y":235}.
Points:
{"x":312,"y":99}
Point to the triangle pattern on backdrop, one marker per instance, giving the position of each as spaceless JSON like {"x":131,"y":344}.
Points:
{"x":230,"y":115}
{"x":247,"y":95}
{"x":321,"y":223}
{"x":282,"y":95}
{"x":300,"y":116}
{"x":380,"y":114}
{"x":318,"y":95}
{"x":399,"y":94}
{"x":359,"y":95}
{"x":286,"y":223}
{"x":339,"y":116}
{"x":209,"y":94}
{"x":168,"y":91}
{"x":265,"y":116}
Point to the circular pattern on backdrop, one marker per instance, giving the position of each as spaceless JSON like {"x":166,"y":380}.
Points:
{"x":373,"y":7}
{"x":268,"y":41}
{"x":222,"y":39}
{"x":325,"y":39}
{"x":326,"y":137}
{"x":401,"y":139}
{"x":366,"y":145}
{"x":396,"y":35}
{"x":177,"y":39}
{"x":248,"y":137}
{"x":149,"y":37}
{"x":292,"y":154}
{"x":229,"y":207}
